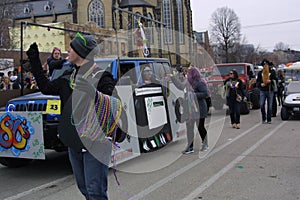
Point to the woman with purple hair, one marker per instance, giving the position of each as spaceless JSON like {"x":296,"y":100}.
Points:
{"x":196,"y":93}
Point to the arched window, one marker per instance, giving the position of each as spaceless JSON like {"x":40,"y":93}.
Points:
{"x":168,"y":21}
{"x":136,"y":19}
{"x":96,"y":13}
{"x":27,"y":9}
{"x":180,"y":21}
{"x":69,"y":4}
{"x":5,"y":12}
{"x":49,"y":6}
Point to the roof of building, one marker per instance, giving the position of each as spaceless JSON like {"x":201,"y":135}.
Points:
{"x":42,"y":8}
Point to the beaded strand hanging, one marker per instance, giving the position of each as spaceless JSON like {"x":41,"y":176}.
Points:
{"x":101,"y":118}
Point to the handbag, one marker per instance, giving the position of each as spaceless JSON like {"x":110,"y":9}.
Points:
{"x":238,"y":97}
{"x":192,"y":106}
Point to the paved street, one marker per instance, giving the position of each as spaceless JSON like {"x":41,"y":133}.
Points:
{"x":257,"y":162}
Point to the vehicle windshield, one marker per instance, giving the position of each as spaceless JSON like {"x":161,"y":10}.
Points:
{"x":67,"y":66}
{"x":293,"y":87}
{"x":104,"y":65}
{"x":293,"y":75}
{"x":224,"y":70}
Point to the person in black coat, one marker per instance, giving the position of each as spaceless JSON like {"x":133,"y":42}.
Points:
{"x":234,"y":95}
{"x":90,"y":170}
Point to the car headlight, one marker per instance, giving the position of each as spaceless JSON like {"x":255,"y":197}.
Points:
{"x":11,"y":108}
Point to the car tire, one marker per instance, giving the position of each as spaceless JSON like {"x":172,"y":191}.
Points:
{"x":284,"y":113}
{"x":14,"y":162}
{"x":180,"y":110}
{"x":254,"y":98}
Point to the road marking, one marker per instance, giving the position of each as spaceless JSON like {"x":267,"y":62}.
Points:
{"x":160,"y":183}
{"x":214,"y":178}
{"x":58,"y":181}
{"x":25,"y":193}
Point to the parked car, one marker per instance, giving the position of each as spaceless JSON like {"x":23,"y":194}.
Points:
{"x":246,"y":74}
{"x":291,"y":104}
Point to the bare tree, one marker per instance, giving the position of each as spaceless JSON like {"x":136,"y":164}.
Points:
{"x":6,"y":15}
{"x":225,"y":30}
{"x":280,"y":46}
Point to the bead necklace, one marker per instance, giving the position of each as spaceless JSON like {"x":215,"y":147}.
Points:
{"x":102,"y":114}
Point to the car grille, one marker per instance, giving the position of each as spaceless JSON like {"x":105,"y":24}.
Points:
{"x":31,"y":107}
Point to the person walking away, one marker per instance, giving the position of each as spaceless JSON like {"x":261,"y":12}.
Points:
{"x":265,"y":82}
{"x":90,"y":173}
{"x":195,"y":95}
{"x":234,"y":95}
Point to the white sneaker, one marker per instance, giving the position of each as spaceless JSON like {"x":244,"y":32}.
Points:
{"x":153,"y":143}
{"x":162,"y":139}
{"x":145,"y":146}
{"x":204,"y":147}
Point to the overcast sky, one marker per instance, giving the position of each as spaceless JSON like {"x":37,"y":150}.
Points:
{"x":264,"y":22}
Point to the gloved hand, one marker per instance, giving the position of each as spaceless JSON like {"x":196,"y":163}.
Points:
{"x":33,"y":52}
{"x":245,"y":99}
{"x":33,"y":56}
{"x":84,"y":86}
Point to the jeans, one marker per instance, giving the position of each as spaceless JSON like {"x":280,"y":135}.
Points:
{"x":90,"y":174}
{"x":266,"y":95}
{"x":234,"y":110}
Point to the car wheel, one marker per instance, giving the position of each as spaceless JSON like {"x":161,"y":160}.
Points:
{"x":254,"y":98}
{"x":14,"y":162}
{"x":180,"y":110}
{"x":284,"y":113}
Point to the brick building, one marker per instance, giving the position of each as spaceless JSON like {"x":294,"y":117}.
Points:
{"x":172,"y":39}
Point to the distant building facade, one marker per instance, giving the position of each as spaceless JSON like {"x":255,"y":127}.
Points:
{"x":175,"y":35}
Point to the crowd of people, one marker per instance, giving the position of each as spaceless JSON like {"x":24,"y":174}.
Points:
{"x":270,"y":85}
{"x":11,"y":81}
{"x":90,"y":173}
